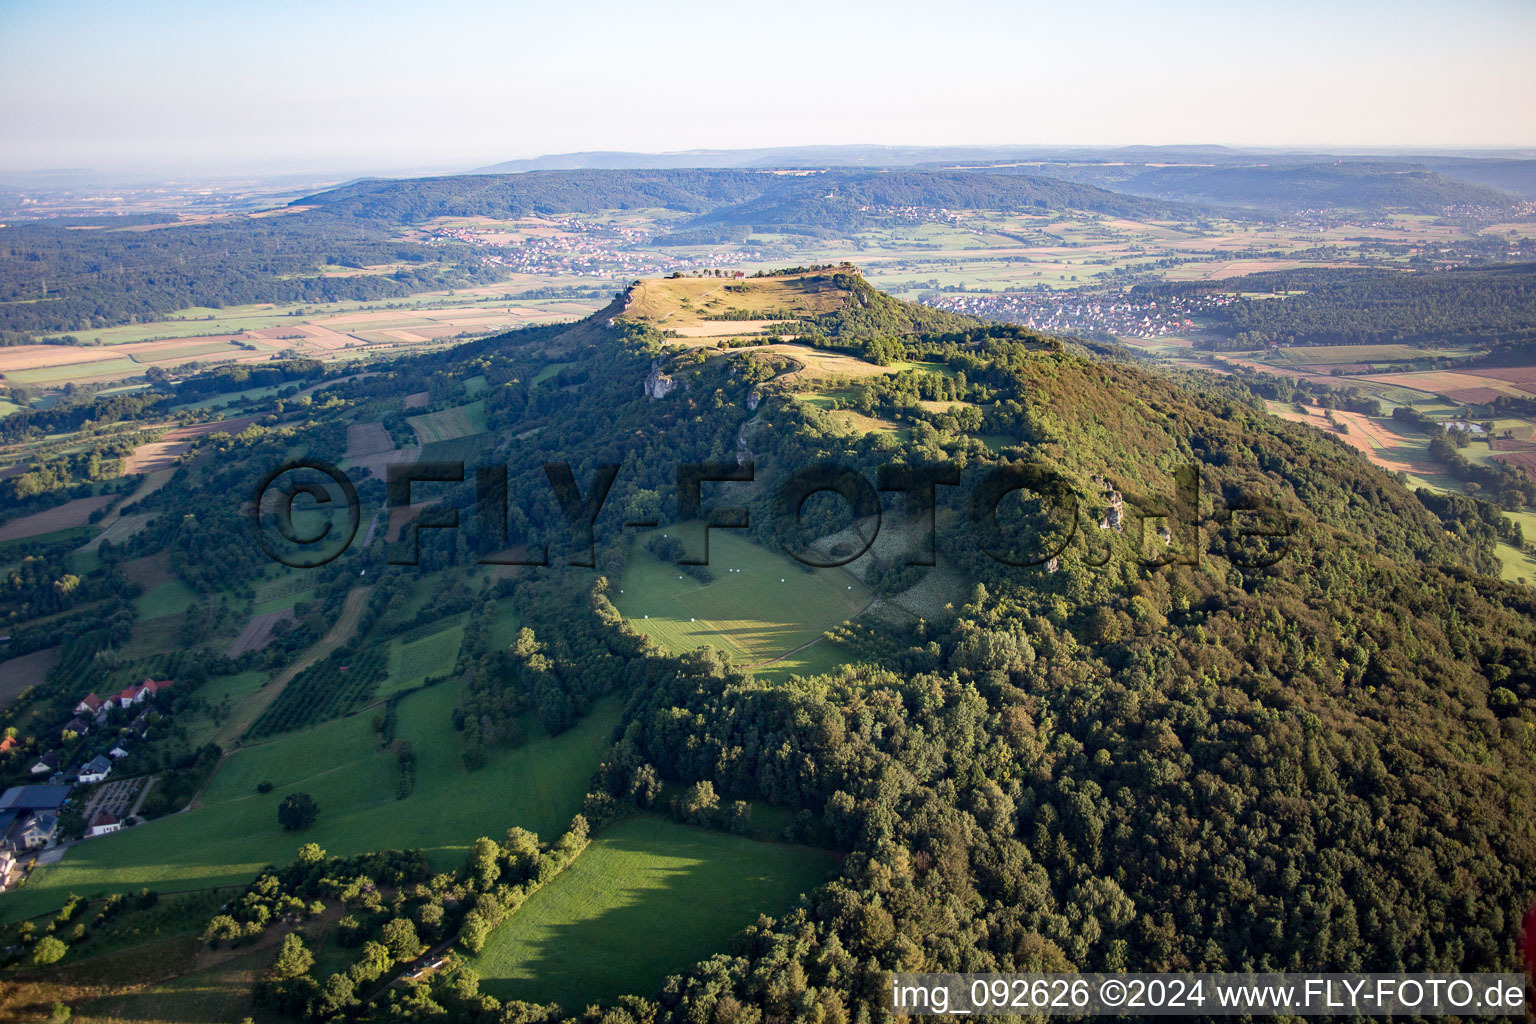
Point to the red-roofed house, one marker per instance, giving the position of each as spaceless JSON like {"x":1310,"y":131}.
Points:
{"x":104,"y":823}
{"x":92,"y":704}
{"x":139,"y":693}
{"x":152,"y":687}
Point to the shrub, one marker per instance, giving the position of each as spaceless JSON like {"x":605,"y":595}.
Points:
{"x":48,"y":950}
{"x":297,"y":811}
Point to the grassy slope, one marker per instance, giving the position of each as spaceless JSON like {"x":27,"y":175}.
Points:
{"x":233,"y":832}
{"x":218,"y":993}
{"x":684,"y":890}
{"x":447,"y":424}
{"x":750,"y":614}
{"x":410,"y":664}
{"x":166,"y":599}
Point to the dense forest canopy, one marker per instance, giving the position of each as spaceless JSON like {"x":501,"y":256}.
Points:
{"x":56,"y":277}
{"x":1493,"y":305}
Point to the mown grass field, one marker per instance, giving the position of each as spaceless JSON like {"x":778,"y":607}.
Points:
{"x":769,"y":608}
{"x":647,"y":898}
{"x":120,"y":367}
{"x":233,"y":832}
{"x":447,"y":424}
{"x":817,"y":659}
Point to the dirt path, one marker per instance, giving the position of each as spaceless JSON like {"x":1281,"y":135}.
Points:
{"x":346,"y":624}
{"x":148,"y":785}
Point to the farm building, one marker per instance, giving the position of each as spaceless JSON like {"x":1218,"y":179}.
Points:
{"x":33,"y":798}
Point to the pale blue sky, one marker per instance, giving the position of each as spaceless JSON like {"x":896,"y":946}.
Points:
{"x":343,"y":86}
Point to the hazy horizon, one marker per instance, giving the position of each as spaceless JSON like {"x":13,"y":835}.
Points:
{"x":351,"y":89}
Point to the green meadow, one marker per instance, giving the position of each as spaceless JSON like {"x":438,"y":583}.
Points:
{"x":447,"y":424}
{"x":647,"y":898}
{"x":166,"y":599}
{"x":772,"y":606}
{"x":412,"y":663}
{"x":548,"y":371}
{"x":233,"y":832}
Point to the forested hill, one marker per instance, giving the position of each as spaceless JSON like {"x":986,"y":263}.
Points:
{"x":1288,"y":186}
{"x":1492,"y":305}
{"x":759,"y":198}
{"x":1323,"y":762}
{"x":1213,"y":760}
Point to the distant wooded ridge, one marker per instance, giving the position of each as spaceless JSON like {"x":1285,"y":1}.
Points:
{"x":727,"y":196}
{"x":1136,"y":169}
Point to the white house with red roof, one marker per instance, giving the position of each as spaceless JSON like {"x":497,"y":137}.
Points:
{"x":91,"y":705}
{"x":104,"y":823}
{"x":138,"y":694}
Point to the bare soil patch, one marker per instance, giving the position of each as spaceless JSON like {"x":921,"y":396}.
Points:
{"x":18,"y":674}
{"x":1525,"y":460}
{"x":35,"y":357}
{"x":150,"y":571}
{"x":61,"y":517}
{"x":1473,"y":396}
{"x":368,"y":439}
{"x":1513,"y":374}
{"x":162,"y":454}
{"x":258,"y":632}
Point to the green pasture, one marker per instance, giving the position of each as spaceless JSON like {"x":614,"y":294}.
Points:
{"x":166,"y":599}
{"x":818,"y":659}
{"x":772,"y":606}
{"x":548,"y":372}
{"x":122,"y":367}
{"x":233,"y":832}
{"x":225,"y":691}
{"x":647,"y":898}
{"x":447,"y":424}
{"x":412,"y":663}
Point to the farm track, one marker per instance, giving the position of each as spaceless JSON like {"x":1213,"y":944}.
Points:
{"x":346,"y":624}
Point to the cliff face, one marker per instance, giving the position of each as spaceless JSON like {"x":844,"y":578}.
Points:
{"x":658,"y":384}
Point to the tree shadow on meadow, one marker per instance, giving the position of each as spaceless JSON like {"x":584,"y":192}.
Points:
{"x":666,"y":917}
